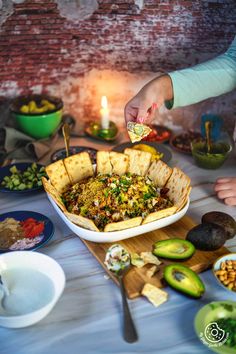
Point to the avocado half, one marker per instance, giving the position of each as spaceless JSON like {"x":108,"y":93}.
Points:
{"x":173,"y":248}
{"x":184,"y":280}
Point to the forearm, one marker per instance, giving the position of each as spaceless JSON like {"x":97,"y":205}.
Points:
{"x":210,"y":79}
{"x":162,"y":89}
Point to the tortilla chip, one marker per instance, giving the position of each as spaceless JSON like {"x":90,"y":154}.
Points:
{"x":160,"y":214}
{"x":122,"y":225}
{"x":178,"y":185}
{"x":152,"y":271}
{"x":159,"y":173}
{"x":149,"y":258}
{"x":136,"y":260}
{"x":139,"y":161}
{"x":79,"y":166}
{"x":137,"y":131}
{"x":58,"y":176}
{"x":103,"y":162}
{"x":155,"y":295}
{"x":82,"y":221}
{"x":119,"y":163}
{"x":53,"y":193}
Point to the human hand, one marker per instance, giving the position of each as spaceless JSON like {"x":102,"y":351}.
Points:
{"x":226,"y":189}
{"x":142,"y":106}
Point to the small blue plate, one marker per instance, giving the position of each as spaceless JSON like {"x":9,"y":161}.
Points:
{"x":22,"y":166}
{"x":61,"y":153}
{"x":41,"y":240}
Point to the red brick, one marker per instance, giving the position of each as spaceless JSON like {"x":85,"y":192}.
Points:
{"x":126,"y":38}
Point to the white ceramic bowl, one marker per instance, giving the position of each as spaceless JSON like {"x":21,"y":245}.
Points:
{"x":38,"y":262}
{"x":216,"y":266}
{"x":114,"y":236}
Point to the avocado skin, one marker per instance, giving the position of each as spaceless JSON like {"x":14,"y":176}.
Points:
{"x":164,"y":254}
{"x":168,"y":276}
{"x":207,"y":236}
{"x":222,"y":219}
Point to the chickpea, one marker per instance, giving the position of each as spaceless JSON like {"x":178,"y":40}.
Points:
{"x":230,"y":286}
{"x":223,"y":266}
{"x":227,"y":274}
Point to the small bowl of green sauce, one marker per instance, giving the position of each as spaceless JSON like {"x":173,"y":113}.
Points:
{"x":219,"y":152}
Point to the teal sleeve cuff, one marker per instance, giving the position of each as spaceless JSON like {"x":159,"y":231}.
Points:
{"x":210,"y":79}
{"x":169,"y":104}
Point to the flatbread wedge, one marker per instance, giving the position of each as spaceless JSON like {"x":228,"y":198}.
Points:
{"x":184,"y":199}
{"x":82,"y":221}
{"x":178,"y":185}
{"x":58,"y":176}
{"x":54,"y":194}
{"x":139,"y":161}
{"x":79,"y":166}
{"x":159,"y":173}
{"x":119,"y":162}
{"x":103,"y":162}
{"x":157,"y":215}
{"x":122,"y":225}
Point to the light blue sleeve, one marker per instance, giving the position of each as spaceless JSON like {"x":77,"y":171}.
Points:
{"x":210,"y":79}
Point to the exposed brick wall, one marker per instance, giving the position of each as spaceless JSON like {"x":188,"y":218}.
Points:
{"x":41,"y":50}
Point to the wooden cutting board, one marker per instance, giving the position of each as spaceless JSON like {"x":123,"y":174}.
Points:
{"x":136,"y":277}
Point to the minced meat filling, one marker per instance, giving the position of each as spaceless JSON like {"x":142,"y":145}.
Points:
{"x":110,"y":198}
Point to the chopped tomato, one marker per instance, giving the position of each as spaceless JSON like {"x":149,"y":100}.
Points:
{"x":27,"y":228}
{"x":32,"y":227}
{"x":36,"y":230}
{"x":29,"y":220}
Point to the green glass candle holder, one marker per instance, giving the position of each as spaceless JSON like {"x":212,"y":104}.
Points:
{"x":95,"y":130}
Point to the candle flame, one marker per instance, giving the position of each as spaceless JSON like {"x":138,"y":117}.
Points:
{"x":104,"y":102}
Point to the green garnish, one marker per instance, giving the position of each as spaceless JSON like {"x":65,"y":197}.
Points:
{"x":113,"y":198}
{"x":229,"y":326}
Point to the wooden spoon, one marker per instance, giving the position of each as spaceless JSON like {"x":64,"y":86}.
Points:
{"x":208,"y":138}
{"x":66,"y":135}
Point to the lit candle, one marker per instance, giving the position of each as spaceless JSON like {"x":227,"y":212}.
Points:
{"x":104,"y":111}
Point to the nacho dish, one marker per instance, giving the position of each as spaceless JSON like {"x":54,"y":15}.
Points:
{"x":126,"y":189}
{"x":110,"y":198}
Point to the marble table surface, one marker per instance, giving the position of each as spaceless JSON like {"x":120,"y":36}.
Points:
{"x":88,"y":318}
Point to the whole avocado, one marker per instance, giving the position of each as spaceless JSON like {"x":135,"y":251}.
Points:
{"x":207,"y":236}
{"x":221,"y":219}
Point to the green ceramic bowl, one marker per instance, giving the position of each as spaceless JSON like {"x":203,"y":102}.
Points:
{"x":37,"y":125}
{"x":210,"y":160}
{"x":210,"y":331}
